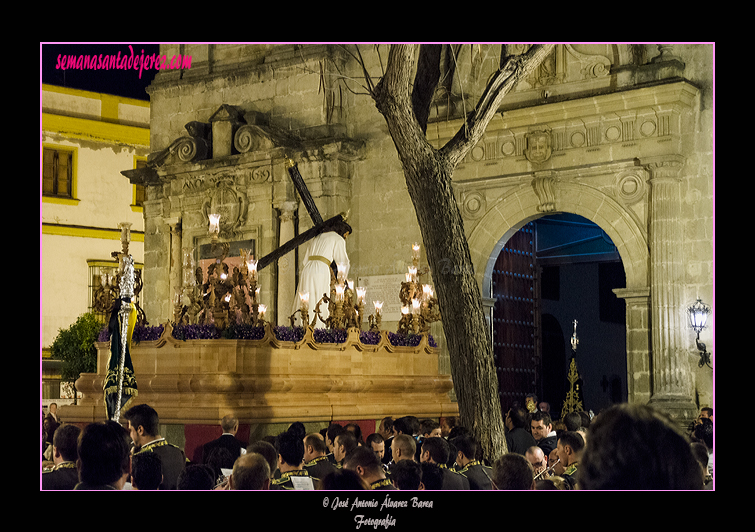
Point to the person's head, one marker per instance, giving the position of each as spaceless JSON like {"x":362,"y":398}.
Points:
{"x":585,"y":417}
{"x":229,"y":424}
{"x":364,"y":462}
{"x":434,"y":450}
{"x":343,"y":480}
{"x":704,"y":432}
{"x":404,"y":447}
{"x":466,"y":446}
{"x":342,"y":228}
{"x":220,"y":458}
{"x":356,"y":429}
{"x":570,"y":447}
{"x":53,"y":408}
{"x":64,"y":443}
{"x":403,"y":425}
{"x":516,"y":418}
{"x":407,"y":475}
{"x":385,"y":429}
{"x":429,"y":428}
{"x":143,"y":423}
{"x":103,"y":454}
{"x":540,"y":425}
{"x":705,"y":412}
{"x":267,"y":450}
{"x":376,"y":442}
{"x":298,"y":428}
{"x":330,"y":436}
{"x":199,"y":477}
{"x":146,"y":471}
{"x":314,"y":446}
{"x":290,"y":449}
{"x":536,"y":457}
{"x":447,"y":424}
{"x":250,"y":472}
{"x":573,"y":421}
{"x":344,"y":443}
{"x":544,"y":406}
{"x":512,"y":471}
{"x":432,"y":476}
{"x":635,"y":447}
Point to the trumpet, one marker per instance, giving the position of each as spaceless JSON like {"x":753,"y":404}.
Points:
{"x":547,"y":470}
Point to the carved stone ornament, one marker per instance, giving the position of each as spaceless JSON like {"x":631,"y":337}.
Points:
{"x":232,"y":205}
{"x":538,"y":146}
{"x":543,"y":185}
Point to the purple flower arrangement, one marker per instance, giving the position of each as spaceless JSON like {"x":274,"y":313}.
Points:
{"x":289,"y":334}
{"x":409,"y":340}
{"x":330,"y":336}
{"x":147,"y":333}
{"x":195,"y":332}
{"x":243,"y":332}
{"x":369,"y":338}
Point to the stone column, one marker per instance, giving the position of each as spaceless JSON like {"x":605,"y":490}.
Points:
{"x":176,"y":257}
{"x":639,"y":376}
{"x":286,"y":264}
{"x":671,"y":374}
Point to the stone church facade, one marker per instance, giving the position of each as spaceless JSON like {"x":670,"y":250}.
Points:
{"x":621,"y":135}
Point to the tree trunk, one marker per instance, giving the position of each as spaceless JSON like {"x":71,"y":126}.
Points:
{"x":428,"y":174}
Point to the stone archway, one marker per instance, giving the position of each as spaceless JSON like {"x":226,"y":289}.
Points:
{"x":525,"y":203}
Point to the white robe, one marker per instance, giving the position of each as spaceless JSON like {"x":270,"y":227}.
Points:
{"x":315,"y":274}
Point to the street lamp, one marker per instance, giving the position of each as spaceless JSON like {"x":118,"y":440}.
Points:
{"x":698,"y":317}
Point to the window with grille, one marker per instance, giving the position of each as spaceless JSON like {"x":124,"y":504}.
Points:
{"x":57,"y":173}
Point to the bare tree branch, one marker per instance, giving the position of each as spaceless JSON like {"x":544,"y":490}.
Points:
{"x":513,"y":70}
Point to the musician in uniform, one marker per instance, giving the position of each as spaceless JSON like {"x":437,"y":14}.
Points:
{"x":476,"y":472}
{"x":143,"y":424}
{"x":569,"y":449}
{"x":64,"y":475}
{"x":293,"y":475}
{"x":365,"y":463}
{"x":316,"y":461}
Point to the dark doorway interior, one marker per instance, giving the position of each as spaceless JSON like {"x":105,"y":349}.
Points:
{"x":555,"y":270}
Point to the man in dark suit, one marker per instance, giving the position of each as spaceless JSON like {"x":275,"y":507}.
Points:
{"x":64,"y":475}
{"x":227,"y":440}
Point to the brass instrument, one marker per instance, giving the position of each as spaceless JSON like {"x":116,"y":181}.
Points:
{"x":547,"y":470}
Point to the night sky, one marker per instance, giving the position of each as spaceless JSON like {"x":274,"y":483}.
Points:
{"x":112,"y":81}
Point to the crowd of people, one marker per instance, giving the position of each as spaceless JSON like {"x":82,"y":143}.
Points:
{"x":625,"y":447}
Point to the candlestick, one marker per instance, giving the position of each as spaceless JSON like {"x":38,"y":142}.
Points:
{"x":214,"y":226}
{"x":361,"y":291}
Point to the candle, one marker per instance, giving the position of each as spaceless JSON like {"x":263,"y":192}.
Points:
{"x":262,"y":310}
{"x":339,"y":292}
{"x":350,"y":284}
{"x":304,"y":304}
{"x":427,"y":292}
{"x":361,"y":291}
{"x":405,"y":310}
{"x":415,"y":251}
{"x":378,"y":307}
{"x":214,"y":224}
{"x":341,"y":272}
{"x":415,"y":305}
{"x":413,"y":273}
{"x":251,"y":266}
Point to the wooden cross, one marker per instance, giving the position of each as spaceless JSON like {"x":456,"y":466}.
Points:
{"x":319,"y":227}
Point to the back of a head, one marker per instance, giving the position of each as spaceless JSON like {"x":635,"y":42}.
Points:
{"x":432,"y":476}
{"x":251,"y":472}
{"x":334,"y":430}
{"x":403,"y":425}
{"x":342,"y":480}
{"x":348,"y":440}
{"x":220,"y":458}
{"x":145,"y":416}
{"x":518,"y":417}
{"x":103,"y":450}
{"x":65,"y":441}
{"x":513,"y":471}
{"x":146,"y":471}
{"x":438,"y":449}
{"x":634,"y":447}
{"x":316,"y":442}
{"x":364,"y":457}
{"x":267,"y":450}
{"x":406,"y":443}
{"x":407,"y":474}
{"x":228,"y":423}
{"x":573,"y":421}
{"x":298,"y":428}
{"x":466,"y":444}
{"x":199,"y":477}
{"x":290,"y":447}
